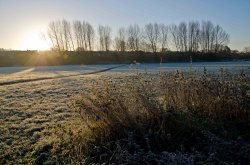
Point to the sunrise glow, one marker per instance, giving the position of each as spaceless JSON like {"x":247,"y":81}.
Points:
{"x":33,"y":41}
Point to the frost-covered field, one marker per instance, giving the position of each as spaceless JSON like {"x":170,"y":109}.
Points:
{"x":28,"y":110}
{"x":16,"y":74}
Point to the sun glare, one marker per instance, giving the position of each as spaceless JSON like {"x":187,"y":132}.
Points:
{"x":33,"y":41}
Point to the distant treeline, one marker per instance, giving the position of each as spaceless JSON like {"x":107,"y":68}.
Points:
{"x":78,"y":42}
{"x":35,"y":58}
{"x":190,"y":36}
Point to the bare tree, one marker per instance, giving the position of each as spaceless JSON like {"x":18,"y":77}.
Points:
{"x":152,"y":35}
{"x":90,"y":35}
{"x":182,"y":36}
{"x":120,"y":40}
{"x":65,"y":29}
{"x":213,"y":38}
{"x":131,"y":38}
{"x":67,"y":35}
{"x":107,"y":37}
{"x":104,"y":37}
{"x":84,"y":35}
{"x":101,"y":37}
{"x":134,"y":37}
{"x":221,"y":38}
{"x":193,"y":36}
{"x":175,"y":37}
{"x":61,"y":35}
{"x":70,"y":30}
{"x":53,"y":33}
{"x":207,"y":36}
{"x":163,"y":30}
{"x":77,"y":25}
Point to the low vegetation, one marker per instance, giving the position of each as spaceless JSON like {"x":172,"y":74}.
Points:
{"x":174,"y":118}
{"x":48,"y":58}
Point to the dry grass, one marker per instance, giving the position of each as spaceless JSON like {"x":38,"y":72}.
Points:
{"x":164,"y":118}
{"x":30,"y":111}
{"x":220,"y":97}
{"x":126,"y":118}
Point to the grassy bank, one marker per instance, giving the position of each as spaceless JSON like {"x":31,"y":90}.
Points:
{"x":34,"y":58}
{"x":165,"y":118}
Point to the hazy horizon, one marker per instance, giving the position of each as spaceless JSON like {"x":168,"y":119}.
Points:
{"x":23,"y":21}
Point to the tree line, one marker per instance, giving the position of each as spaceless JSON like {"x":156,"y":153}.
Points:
{"x":190,"y":36}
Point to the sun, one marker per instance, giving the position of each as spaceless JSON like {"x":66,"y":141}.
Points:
{"x":33,"y":41}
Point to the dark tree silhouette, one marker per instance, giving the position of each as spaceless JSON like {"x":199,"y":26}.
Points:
{"x":184,"y":37}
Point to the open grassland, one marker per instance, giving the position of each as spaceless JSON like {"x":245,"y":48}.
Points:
{"x":28,"y":111}
{"x":127,"y":118}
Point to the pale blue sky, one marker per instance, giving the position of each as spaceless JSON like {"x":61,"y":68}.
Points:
{"x":22,"y":18}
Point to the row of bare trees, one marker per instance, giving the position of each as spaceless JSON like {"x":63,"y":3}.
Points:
{"x":184,"y":37}
{"x":60,"y":35}
{"x":66,"y":36}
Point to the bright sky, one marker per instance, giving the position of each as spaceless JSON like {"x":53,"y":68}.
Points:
{"x":22,"y":21}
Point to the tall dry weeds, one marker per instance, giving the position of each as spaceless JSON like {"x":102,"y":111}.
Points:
{"x":220,"y":97}
{"x":124,"y":122}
